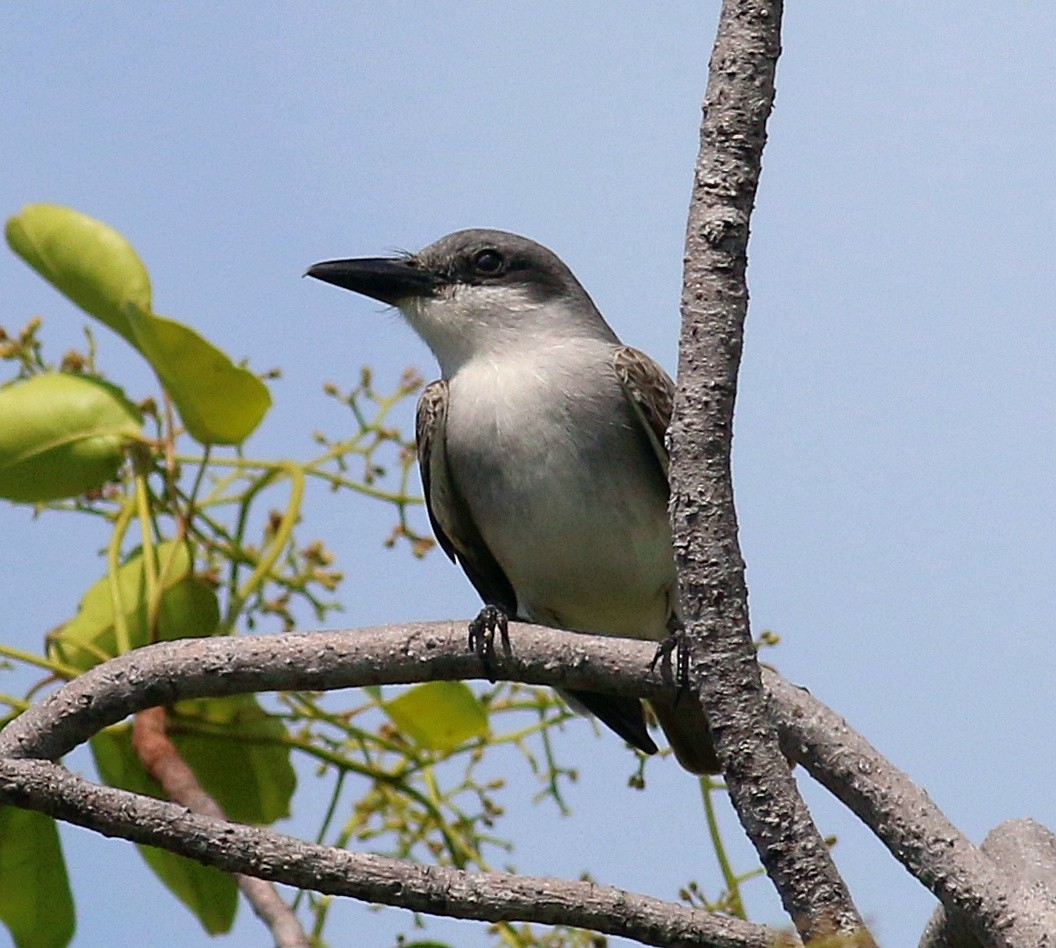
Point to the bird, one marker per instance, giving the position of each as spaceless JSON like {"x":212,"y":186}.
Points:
{"x":542,"y":453}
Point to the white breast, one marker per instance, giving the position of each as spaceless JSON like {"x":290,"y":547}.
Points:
{"x":563,"y":486}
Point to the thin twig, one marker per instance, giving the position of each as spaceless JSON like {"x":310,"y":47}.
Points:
{"x":166,"y":765}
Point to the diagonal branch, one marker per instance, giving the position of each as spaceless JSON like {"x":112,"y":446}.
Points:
{"x":993,"y":900}
{"x":714,"y":597}
{"x":165,"y":764}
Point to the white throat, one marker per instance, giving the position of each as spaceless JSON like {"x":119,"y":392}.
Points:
{"x":498,"y":324}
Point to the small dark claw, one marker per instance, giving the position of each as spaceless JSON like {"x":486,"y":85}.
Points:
{"x":675,"y":642}
{"x":482,"y":636}
{"x":662,"y":651}
{"x":482,"y":629}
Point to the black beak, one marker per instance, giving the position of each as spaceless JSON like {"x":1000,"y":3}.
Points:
{"x":389,"y":279}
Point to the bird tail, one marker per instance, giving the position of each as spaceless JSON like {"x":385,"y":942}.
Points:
{"x":687,"y":732}
{"x":623,"y":715}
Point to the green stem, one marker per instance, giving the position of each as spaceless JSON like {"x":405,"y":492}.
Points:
{"x":398,"y":781}
{"x":199,"y":477}
{"x":113,"y":556}
{"x":282,"y":536}
{"x":48,"y":664}
{"x":733,"y":886}
{"x":328,"y":817}
{"x":150,"y":562}
{"x":18,"y":704}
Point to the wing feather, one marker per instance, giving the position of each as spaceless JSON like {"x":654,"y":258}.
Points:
{"x":452,"y":522}
{"x":651,"y":393}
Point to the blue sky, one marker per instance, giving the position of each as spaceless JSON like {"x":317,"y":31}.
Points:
{"x":894,"y":453}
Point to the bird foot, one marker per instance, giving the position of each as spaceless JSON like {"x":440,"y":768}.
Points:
{"x":675,"y":642}
{"x":482,"y":636}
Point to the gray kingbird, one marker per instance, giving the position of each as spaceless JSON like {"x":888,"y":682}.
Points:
{"x":541,"y":450}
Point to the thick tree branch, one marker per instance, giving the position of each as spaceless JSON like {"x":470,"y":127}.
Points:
{"x":999,"y":910}
{"x":714,"y":597}
{"x":1027,"y":851}
{"x":321,"y":661}
{"x":996,"y":900}
{"x":486,"y":896}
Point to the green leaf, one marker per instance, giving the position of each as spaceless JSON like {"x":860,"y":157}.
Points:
{"x":83,"y":258}
{"x":219,"y":402}
{"x":35,"y":900}
{"x":439,"y":715}
{"x":62,"y":435}
{"x":189,"y":609}
{"x":251,"y":779}
{"x":210,"y":893}
{"x":241,"y":764}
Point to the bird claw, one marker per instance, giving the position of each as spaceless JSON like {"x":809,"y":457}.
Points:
{"x":482,"y":636}
{"x":675,"y":642}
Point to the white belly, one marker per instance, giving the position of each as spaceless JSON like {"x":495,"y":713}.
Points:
{"x":567,"y":495}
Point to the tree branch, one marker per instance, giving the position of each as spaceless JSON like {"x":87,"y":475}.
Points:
{"x":1027,"y":851}
{"x":165,"y":764}
{"x":320,"y":661}
{"x":714,"y":596}
{"x":994,"y":900}
{"x":486,"y":896}
{"x":999,"y":910}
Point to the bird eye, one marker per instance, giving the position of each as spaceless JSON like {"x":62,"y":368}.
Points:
{"x":488,"y":261}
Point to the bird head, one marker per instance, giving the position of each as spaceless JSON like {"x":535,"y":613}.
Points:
{"x":476,"y":293}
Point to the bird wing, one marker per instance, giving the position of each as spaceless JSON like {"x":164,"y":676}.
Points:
{"x":651,"y":393}
{"x":448,"y":512}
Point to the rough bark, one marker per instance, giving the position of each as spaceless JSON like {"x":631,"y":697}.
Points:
{"x":1026,"y":851}
{"x":1000,"y":896}
{"x":486,"y":896}
{"x":714,"y":597}
{"x":997,"y":907}
{"x":321,"y":661}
